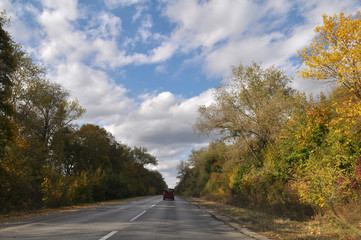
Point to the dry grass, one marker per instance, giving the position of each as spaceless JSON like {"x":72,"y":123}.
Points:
{"x":345,"y":226}
{"x":344,"y":219}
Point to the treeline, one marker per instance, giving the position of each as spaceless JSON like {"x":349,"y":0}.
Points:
{"x":45,"y":158}
{"x":281,"y":149}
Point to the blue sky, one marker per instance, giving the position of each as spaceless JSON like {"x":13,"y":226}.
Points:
{"x":142,"y":68}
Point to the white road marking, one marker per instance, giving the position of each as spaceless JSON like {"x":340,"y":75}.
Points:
{"x":108,"y":235}
{"x":140,"y":214}
{"x":131,"y":220}
{"x":154,"y":204}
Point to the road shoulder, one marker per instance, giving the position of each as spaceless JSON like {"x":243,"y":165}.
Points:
{"x":227,"y":219}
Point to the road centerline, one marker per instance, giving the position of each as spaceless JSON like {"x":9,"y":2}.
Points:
{"x":154,"y":205}
{"x":108,"y":235}
{"x":140,"y":214}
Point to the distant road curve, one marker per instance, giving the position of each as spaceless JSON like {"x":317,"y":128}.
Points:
{"x":142,"y":218}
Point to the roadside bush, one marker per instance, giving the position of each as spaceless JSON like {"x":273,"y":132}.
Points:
{"x":217,"y":185}
{"x":15,"y":190}
{"x":54,"y":192}
{"x":81,"y":190}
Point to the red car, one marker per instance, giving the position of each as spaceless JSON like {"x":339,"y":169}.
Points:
{"x":168,"y":193}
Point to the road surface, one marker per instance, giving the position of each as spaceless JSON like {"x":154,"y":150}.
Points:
{"x":142,"y":218}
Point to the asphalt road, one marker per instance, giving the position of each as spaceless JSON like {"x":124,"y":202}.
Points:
{"x":144,"y":218}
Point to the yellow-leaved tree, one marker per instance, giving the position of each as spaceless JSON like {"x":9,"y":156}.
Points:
{"x":335,"y":53}
{"x":329,"y":177}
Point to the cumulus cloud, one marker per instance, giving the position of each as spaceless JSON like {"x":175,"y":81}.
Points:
{"x":20,"y":27}
{"x":205,"y":23}
{"x":234,"y":31}
{"x":164,"y":122}
{"x":65,"y":8}
{"x":117,"y":3}
{"x":104,"y":100}
{"x":106,"y":26}
{"x":162,"y":119}
{"x":64,"y":42}
{"x":145,"y":29}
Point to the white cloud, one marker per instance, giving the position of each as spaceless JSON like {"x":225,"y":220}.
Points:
{"x":203,"y":24}
{"x":161,"y":69}
{"x":233,"y":30}
{"x":5,"y":4}
{"x":117,"y":3}
{"x":104,"y":101}
{"x":236,"y":31}
{"x":97,"y":41}
{"x":65,"y":8}
{"x":168,"y":169}
{"x":140,"y":9}
{"x":314,"y":10}
{"x":61,"y":41}
{"x":145,"y":29}
{"x":233,"y":53}
{"x":105,"y":26}
{"x":19,"y":30}
{"x":162,"y":53}
{"x":164,"y":122}
{"x":161,"y":120}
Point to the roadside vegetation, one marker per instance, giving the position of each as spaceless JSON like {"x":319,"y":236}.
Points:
{"x":317,"y":227}
{"x":284,"y":153}
{"x":46,"y":159}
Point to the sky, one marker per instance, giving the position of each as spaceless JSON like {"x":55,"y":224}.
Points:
{"x":142,"y":68}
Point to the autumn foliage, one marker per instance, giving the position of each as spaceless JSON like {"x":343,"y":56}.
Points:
{"x":46,"y":159}
{"x":279,"y":149}
{"x":335,"y":53}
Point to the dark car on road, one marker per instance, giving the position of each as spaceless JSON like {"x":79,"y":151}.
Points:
{"x":168,"y":193}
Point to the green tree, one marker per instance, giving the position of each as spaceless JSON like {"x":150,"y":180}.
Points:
{"x":250,"y":107}
{"x":8,"y":64}
{"x":120,"y":156}
{"x":43,"y":113}
{"x":188,"y":179}
{"x":45,"y":160}
{"x":93,"y":148}
{"x":205,"y":171}
{"x":142,"y":157}
{"x":42,"y":110}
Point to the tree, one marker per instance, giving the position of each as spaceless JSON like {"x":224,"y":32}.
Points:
{"x":190,"y":182}
{"x":335,"y":53}
{"x":45,"y":160}
{"x":142,"y":157}
{"x":120,"y":155}
{"x":8,"y":64}
{"x":183,"y":170}
{"x":250,"y":107}
{"x":93,"y":148}
{"x":204,"y":172}
{"x":45,"y":109}
{"x":42,"y":109}
{"x":42,"y":115}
